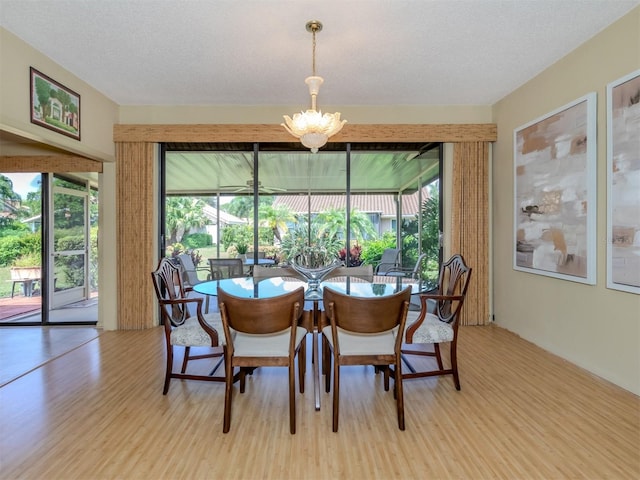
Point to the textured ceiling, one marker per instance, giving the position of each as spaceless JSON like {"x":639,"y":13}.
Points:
{"x":257,"y":52}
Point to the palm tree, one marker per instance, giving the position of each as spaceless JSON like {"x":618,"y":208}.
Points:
{"x":334,"y":222}
{"x":276,"y":219}
{"x":182,"y":214}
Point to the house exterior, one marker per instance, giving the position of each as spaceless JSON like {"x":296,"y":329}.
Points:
{"x":381,"y":209}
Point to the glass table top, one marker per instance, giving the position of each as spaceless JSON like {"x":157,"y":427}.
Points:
{"x":246,"y":287}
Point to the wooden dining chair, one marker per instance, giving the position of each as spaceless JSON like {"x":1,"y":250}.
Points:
{"x":263,"y":332}
{"x":182,"y":328}
{"x":365,"y":331}
{"x":437,"y":321}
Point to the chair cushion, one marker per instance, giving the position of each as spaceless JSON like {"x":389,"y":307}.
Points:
{"x":432,"y":330}
{"x":191,"y":334}
{"x":269,"y":345}
{"x":363,"y":343}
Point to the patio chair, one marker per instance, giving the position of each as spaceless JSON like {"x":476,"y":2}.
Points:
{"x":363,"y":272}
{"x":189,"y":271}
{"x":390,"y":260}
{"x":220,"y":268}
{"x":414,"y":272}
{"x":260,"y":272}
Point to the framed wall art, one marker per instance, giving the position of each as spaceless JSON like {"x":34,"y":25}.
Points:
{"x":555,"y":193}
{"x":54,"y":106}
{"x":623,"y":183}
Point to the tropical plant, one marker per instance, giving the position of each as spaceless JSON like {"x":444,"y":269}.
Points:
{"x":334,"y":222}
{"x":354,"y":256}
{"x":310,"y":246}
{"x":372,"y":250}
{"x":276,"y":219}
{"x":183,"y":214}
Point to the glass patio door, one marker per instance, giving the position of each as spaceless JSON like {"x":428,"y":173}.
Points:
{"x":69,"y":244}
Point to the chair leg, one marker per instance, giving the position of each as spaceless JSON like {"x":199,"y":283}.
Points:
{"x":454,"y":365}
{"x":386,"y":377}
{"x":325,"y":354}
{"x":302,"y":364}
{"x":336,"y":393}
{"x":185,"y":360}
{"x":436,"y":348}
{"x":228,"y":383}
{"x":243,"y":377}
{"x":326,"y":366}
{"x":399,"y":393}
{"x":167,"y":376}
{"x":292,"y":397}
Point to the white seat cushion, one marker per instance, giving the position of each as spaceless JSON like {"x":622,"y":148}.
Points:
{"x":363,"y":343}
{"x":270,"y":345}
{"x":191,"y":334}
{"x":432,"y":329}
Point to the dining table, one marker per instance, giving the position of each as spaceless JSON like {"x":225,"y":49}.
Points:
{"x":248,"y":287}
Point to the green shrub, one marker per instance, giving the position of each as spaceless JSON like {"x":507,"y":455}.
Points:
{"x":11,"y":247}
{"x":197,"y":240}
{"x":27,"y":260}
{"x":372,"y":250}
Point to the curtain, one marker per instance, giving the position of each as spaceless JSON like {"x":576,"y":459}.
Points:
{"x":135,"y":220}
{"x":470,"y":225}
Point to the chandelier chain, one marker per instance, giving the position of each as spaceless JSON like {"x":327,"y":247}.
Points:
{"x":313,"y":61}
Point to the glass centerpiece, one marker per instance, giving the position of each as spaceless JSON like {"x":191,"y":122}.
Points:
{"x":312,"y":253}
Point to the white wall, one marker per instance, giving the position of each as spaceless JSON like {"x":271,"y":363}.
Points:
{"x":589,"y":325}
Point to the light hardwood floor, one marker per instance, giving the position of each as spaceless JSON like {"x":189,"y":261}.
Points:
{"x":98,"y":413}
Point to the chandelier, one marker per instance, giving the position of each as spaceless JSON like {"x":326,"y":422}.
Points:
{"x":312,"y":127}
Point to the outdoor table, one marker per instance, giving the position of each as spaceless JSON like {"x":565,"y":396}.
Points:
{"x":246,"y":287}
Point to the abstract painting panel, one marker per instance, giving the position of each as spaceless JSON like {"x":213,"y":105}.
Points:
{"x":555,"y":193}
{"x":623,"y":183}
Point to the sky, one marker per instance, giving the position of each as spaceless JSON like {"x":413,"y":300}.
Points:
{"x":24,"y":183}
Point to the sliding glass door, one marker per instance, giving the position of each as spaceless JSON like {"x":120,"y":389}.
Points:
{"x":268,"y":199}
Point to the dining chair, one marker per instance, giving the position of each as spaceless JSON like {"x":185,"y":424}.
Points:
{"x":263,"y":332}
{"x":390,"y":259}
{"x":181,"y":328}
{"x":225,"y":268}
{"x":437,"y":321}
{"x":365,"y":331}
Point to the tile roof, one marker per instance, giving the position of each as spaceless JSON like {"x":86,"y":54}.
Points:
{"x":382,"y":204}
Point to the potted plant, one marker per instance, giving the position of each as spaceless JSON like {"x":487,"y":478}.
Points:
{"x":242,"y":248}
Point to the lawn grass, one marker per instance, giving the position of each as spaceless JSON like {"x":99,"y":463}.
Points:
{"x":5,"y":282}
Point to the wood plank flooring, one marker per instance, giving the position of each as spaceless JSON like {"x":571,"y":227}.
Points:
{"x":98,"y":413}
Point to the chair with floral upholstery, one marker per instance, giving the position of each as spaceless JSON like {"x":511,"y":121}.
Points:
{"x":184,"y":329}
{"x":437,"y":321}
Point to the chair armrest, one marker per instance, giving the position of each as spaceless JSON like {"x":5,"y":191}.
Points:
{"x":212,"y":332}
{"x":384,"y":265}
{"x":399,"y":272}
